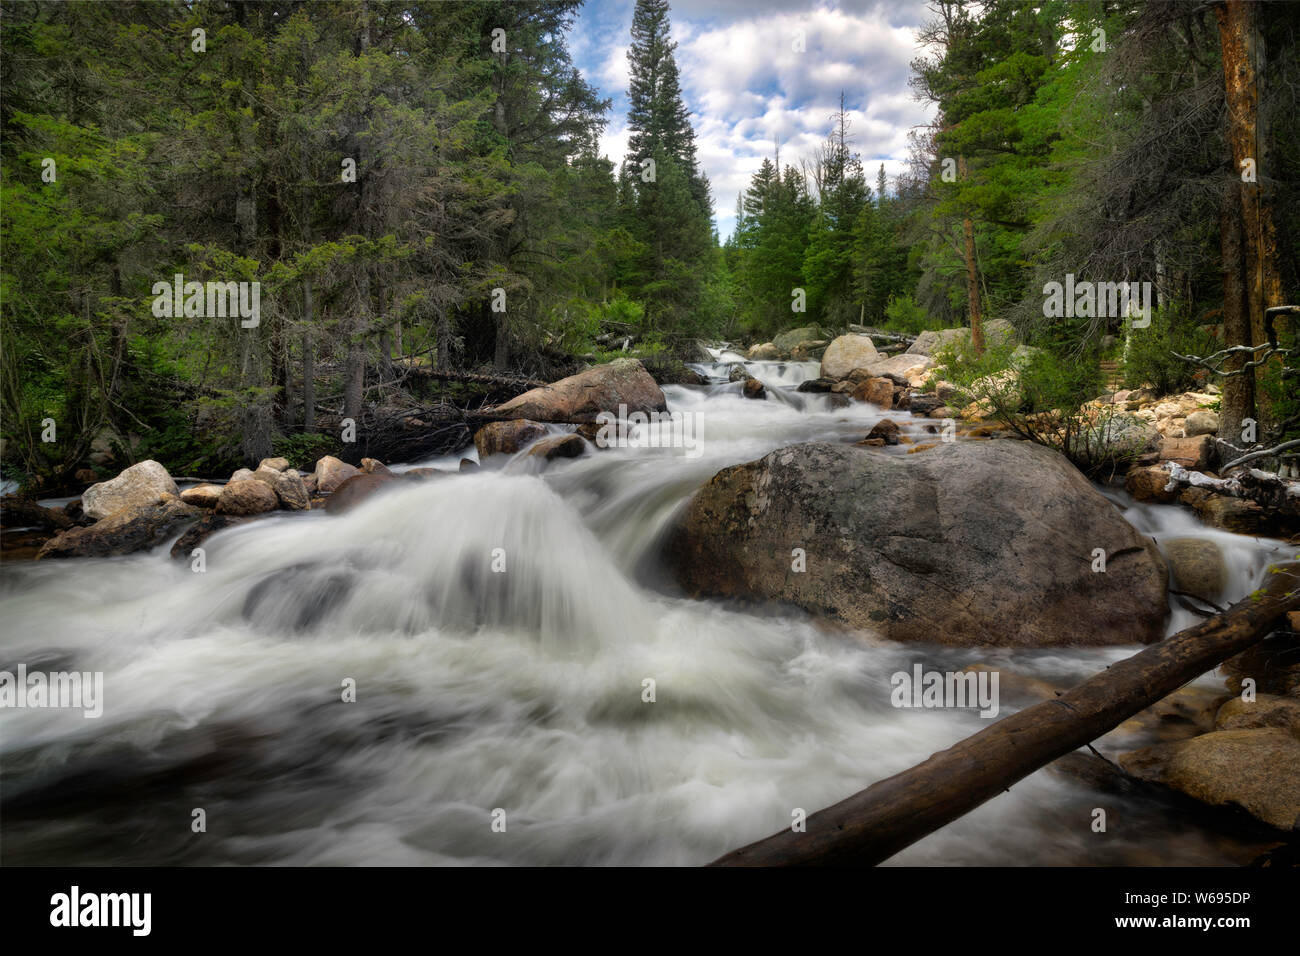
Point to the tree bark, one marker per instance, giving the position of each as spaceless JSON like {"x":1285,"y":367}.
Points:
{"x":894,"y":813}
{"x":972,"y":276}
{"x":1237,"y":35}
{"x":1238,"y":390}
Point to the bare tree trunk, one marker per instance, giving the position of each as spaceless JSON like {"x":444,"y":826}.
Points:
{"x":1238,"y":401}
{"x":972,"y":276}
{"x":308,"y":361}
{"x":1237,"y":36}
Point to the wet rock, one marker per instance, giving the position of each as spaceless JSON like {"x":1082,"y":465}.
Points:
{"x":468,"y":464}
{"x":753,"y":388}
{"x":1197,"y":567}
{"x":506,"y":438}
{"x":1148,"y":484}
{"x":767,"y":352}
{"x":205,"y":528}
{"x":291,"y":491}
{"x":1231,"y":514}
{"x":977,"y":543}
{"x":251,"y":497}
{"x":737,"y":373}
{"x":19,"y":512}
{"x":123,"y":532}
{"x":877,"y":391}
{"x":561,"y":446}
{"x":846,"y":353}
{"x":355,"y":490}
{"x":886,"y":430}
{"x":331,"y":472}
{"x":372,"y":466}
{"x":202,"y":496}
{"x":136,"y":487}
{"x":1266,"y":710}
{"x":1257,"y":770}
{"x":919,"y":403}
{"x":816,"y":385}
{"x":581,"y":397}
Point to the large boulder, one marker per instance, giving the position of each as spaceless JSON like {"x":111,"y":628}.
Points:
{"x":331,"y":472}
{"x":123,"y":531}
{"x":763,"y":352}
{"x":989,"y":542}
{"x":1201,"y":422}
{"x":1257,"y":769}
{"x":997,"y":332}
{"x":140,"y":485}
{"x":787,"y":341}
{"x":506,"y":438}
{"x":846,"y":353}
{"x":581,"y":397}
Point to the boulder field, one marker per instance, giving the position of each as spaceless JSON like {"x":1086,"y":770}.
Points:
{"x":973,"y":543}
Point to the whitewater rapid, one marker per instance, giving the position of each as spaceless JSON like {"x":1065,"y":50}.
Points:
{"x":498,"y":628}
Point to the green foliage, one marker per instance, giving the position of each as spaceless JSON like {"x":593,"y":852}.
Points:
{"x":902,"y":314}
{"x":1148,"y":352}
{"x":304,"y":449}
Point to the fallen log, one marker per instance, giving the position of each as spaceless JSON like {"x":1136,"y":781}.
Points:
{"x":875,"y":823}
{"x":478,"y":378}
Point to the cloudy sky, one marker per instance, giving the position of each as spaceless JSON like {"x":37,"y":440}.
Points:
{"x":747,"y":87}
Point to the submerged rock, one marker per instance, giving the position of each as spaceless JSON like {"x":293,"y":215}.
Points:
{"x":355,"y":490}
{"x":987,"y":542}
{"x":506,"y":438}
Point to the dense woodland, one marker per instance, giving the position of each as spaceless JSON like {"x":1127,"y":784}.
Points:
{"x":416,"y":190}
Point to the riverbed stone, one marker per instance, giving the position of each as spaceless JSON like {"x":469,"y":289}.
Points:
{"x":1257,"y":770}
{"x":251,"y":497}
{"x":1201,"y":422}
{"x":331,"y":472}
{"x":765,"y":352}
{"x":136,"y":487}
{"x":1196,"y":454}
{"x":124,"y":531}
{"x":877,"y":391}
{"x":202,"y":496}
{"x":622,"y":383}
{"x":357,"y":489}
{"x":1266,"y":710}
{"x":1197,"y":567}
{"x":275,"y":464}
{"x":846,"y":353}
{"x":971,"y":543}
{"x":506,"y":438}
{"x":292,"y":491}
{"x":560,"y":446}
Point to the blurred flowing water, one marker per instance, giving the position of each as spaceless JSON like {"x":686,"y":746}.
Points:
{"x":520,"y":690}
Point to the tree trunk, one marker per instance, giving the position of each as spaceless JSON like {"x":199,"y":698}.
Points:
{"x":308,"y":362}
{"x":972,"y":276}
{"x":894,"y":813}
{"x":1237,"y":36}
{"x":1238,"y":401}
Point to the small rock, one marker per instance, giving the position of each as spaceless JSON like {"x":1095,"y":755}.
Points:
{"x":243,"y":474}
{"x":468,"y":464}
{"x":1202,"y":422}
{"x":372,"y":466}
{"x":249,"y":497}
{"x":1266,"y":710}
{"x":561,"y":446}
{"x":275,"y":464}
{"x":886,"y":430}
{"x":331,"y":472}
{"x":877,"y":391}
{"x":753,"y":388}
{"x":291,"y":491}
{"x":202,"y":496}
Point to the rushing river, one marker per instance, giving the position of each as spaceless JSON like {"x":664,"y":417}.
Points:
{"x":519,"y":691}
